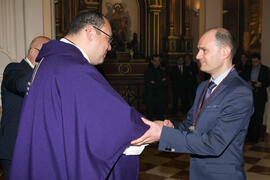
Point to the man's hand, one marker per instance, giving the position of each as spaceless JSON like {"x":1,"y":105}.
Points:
{"x":168,"y":123}
{"x":151,"y":135}
{"x":258,"y":84}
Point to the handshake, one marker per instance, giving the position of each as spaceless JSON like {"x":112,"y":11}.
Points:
{"x":153,"y":133}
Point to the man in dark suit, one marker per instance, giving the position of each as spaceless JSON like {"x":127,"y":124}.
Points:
{"x":155,"y":89}
{"x":13,"y":88}
{"x":243,"y":65}
{"x":258,"y":78}
{"x":191,"y":69}
{"x":216,"y":126}
{"x":179,"y":83}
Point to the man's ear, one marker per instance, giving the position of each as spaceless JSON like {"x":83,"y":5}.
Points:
{"x":226,"y":52}
{"x":32,"y":51}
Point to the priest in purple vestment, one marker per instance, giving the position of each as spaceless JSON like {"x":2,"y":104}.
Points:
{"x":73,"y":124}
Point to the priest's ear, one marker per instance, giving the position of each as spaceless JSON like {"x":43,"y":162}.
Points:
{"x":90,"y":31}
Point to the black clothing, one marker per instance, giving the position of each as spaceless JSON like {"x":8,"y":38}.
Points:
{"x":179,"y":88}
{"x":260,"y":98}
{"x":243,"y":69}
{"x":156,"y":84}
{"x":13,"y":88}
{"x":191,"y":71}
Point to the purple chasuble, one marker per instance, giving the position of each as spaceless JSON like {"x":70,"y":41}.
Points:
{"x":74,"y":125}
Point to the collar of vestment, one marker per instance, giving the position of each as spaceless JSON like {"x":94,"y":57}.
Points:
{"x":69,"y":42}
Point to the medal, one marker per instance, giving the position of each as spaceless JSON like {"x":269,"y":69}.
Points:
{"x":191,"y":128}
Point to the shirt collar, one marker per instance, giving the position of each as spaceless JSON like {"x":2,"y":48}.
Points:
{"x":69,"y":42}
{"x":258,"y":67}
{"x":29,"y":62}
{"x":220,"y":78}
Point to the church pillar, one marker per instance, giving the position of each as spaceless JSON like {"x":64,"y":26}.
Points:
{"x":187,"y":18}
{"x":153,"y":26}
{"x":265,"y":54}
{"x":187,"y":37}
{"x":174,"y":38}
{"x":213,"y":13}
{"x":94,"y":5}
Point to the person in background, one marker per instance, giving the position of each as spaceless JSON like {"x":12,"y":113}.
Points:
{"x":243,"y":66}
{"x":156,"y":85}
{"x":179,"y":83}
{"x":191,"y":79}
{"x":258,"y":78}
{"x":73,"y":124}
{"x":13,"y":89}
{"x":216,"y":126}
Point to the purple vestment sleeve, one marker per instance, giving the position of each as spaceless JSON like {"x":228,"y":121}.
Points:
{"x":73,"y":124}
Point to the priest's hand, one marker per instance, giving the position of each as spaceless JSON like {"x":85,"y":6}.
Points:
{"x":151,"y":135}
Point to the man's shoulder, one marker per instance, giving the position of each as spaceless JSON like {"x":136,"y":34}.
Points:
{"x":175,"y":68}
{"x":13,"y":65}
{"x":265,"y":68}
{"x":66,"y":66}
{"x":238,"y":83}
{"x":202,"y":83}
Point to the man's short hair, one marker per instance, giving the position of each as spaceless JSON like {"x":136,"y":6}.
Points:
{"x":256,"y":55}
{"x":85,"y":18}
{"x":224,"y":38}
{"x":244,"y":53}
{"x":188,"y":55}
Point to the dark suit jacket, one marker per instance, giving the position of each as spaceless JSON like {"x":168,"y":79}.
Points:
{"x":192,"y":71}
{"x":260,"y":93}
{"x":158,"y":89}
{"x":216,"y":145}
{"x":178,"y":79}
{"x":13,"y":88}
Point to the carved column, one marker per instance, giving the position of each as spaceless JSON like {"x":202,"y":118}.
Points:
{"x":187,"y":37}
{"x":153,"y":26}
{"x":92,"y":4}
{"x":187,"y":18}
{"x":173,"y":44}
{"x":65,"y":10}
{"x":172,"y":16}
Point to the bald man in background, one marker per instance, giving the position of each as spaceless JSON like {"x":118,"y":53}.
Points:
{"x":13,"y":88}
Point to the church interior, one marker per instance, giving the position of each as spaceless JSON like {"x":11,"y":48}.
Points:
{"x":141,"y":29}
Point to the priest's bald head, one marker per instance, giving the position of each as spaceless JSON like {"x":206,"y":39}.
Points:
{"x":92,"y":33}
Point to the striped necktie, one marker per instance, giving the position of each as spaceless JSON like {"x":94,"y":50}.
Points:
{"x":211,"y":86}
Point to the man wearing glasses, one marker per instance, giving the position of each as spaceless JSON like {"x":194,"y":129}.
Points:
{"x":74,"y":125}
{"x":15,"y":78}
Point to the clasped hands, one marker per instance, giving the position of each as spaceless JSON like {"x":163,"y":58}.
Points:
{"x":153,"y":133}
{"x":256,"y":84}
